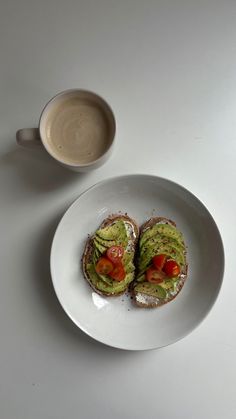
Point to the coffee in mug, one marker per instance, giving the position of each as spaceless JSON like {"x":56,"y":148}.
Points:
{"x":76,"y":127}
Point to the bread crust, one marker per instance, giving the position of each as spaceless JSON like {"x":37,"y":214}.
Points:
{"x":144,"y":300}
{"x":88,"y":250}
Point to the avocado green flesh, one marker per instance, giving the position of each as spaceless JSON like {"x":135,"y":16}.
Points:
{"x":129,"y":267}
{"x":151,"y":289}
{"x":95,"y":257}
{"x":112,"y":288}
{"x":141,"y":278}
{"x":159,"y":239}
{"x":104,"y":243}
{"x":169,"y":284}
{"x":164,"y":229}
{"x":157,"y":249}
{"x":113,"y":235}
{"x":102,"y":249}
{"x":96,"y":254}
{"x":105,"y":279}
{"x":113,"y":231}
{"x":120,"y":241}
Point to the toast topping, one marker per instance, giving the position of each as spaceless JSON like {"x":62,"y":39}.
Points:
{"x":162,"y":265}
{"x":110,"y":267}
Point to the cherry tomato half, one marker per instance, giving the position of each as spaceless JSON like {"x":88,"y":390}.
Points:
{"x":154,"y":275}
{"x":115,"y":254}
{"x":104,"y":266}
{"x":171,"y":268}
{"x":118,"y":273}
{"x":159,"y":261}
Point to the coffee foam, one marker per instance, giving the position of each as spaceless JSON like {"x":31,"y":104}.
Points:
{"x":77,"y":131}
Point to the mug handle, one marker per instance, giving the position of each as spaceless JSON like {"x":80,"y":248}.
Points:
{"x":28,"y":137}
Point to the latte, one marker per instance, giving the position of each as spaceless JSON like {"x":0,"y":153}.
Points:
{"x":77,"y":130}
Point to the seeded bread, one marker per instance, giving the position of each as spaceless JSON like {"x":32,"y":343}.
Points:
{"x":89,"y":247}
{"x":144,"y":300}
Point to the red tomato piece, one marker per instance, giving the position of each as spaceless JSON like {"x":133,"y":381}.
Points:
{"x":159,"y":261}
{"x":118,"y":273}
{"x":171,"y":268}
{"x":154,"y":275}
{"x":104,"y":266}
{"x":115,"y":254}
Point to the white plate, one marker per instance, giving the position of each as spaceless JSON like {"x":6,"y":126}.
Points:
{"x":115,"y":321}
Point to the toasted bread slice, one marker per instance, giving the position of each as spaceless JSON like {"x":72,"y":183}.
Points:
{"x":158,"y":235}
{"x":97,"y":245}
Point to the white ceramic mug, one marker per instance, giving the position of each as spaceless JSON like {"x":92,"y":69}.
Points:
{"x":76,"y":127}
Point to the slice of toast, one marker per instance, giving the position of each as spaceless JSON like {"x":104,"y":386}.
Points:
{"x":142,"y":290}
{"x":104,"y":285}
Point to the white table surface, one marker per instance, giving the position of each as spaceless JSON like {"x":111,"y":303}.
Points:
{"x":168,"y":69}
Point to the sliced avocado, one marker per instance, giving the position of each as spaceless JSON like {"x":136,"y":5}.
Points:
{"x":141,"y":278}
{"x":112,"y":235}
{"x":127,"y":258}
{"x":120,"y":241}
{"x":96,"y":252}
{"x":164,"y":229}
{"x":161,"y":238}
{"x":151,"y":289}
{"x":118,"y":287}
{"x":170,"y":284}
{"x":114,"y":287}
{"x":170,"y":251}
{"x":106,"y":279}
{"x":96,"y":255}
{"x":144,"y":268}
{"x":102,"y":249}
{"x":91,"y":268}
{"x":129,"y":267}
{"x":105,"y":243}
{"x":112,"y":231}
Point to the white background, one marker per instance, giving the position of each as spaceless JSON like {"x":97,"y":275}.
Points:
{"x":168,"y":69}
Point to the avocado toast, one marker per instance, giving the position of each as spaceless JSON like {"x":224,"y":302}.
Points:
{"x":108,"y":257}
{"x":161,"y":263}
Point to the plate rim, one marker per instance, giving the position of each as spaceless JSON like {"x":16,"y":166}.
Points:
{"x":155,"y":177}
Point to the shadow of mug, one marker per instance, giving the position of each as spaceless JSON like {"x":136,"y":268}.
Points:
{"x":38,"y":171}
